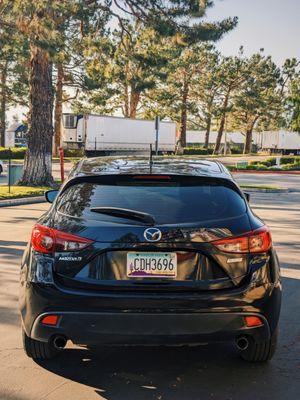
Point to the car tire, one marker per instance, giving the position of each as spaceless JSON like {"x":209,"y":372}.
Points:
{"x":1,"y":169}
{"x":38,"y":350}
{"x":260,"y":351}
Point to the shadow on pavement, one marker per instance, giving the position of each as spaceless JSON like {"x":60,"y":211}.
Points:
{"x":120,"y":373}
{"x":213,"y":371}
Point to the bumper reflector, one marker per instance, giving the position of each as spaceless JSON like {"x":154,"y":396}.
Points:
{"x":253,"y":320}
{"x":50,"y":320}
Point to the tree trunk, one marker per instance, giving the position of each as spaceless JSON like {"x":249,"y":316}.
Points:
{"x":222,"y":125}
{"x":207,"y":132}
{"x":126,"y":102}
{"x":248,"y":140}
{"x":58,"y":109}
{"x":220,"y":134}
{"x":134,"y":101}
{"x":183,"y":120}
{"x":3,"y":104}
{"x":37,"y":164}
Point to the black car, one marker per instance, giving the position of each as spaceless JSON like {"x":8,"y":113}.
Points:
{"x":150,"y":253}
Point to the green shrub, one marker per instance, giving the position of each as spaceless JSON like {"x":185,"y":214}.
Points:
{"x":16,"y":153}
{"x":236,"y":150}
{"x":74,"y":152}
{"x":290,"y":160}
{"x":257,"y":167}
{"x":197,"y":151}
{"x":269,"y":162}
{"x":291,"y":167}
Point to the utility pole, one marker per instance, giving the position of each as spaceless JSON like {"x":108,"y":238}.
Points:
{"x":156,"y":134}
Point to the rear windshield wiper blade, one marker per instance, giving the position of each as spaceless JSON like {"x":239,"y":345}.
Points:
{"x":125,"y":213}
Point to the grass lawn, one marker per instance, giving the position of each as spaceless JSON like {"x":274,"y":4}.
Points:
{"x":21,"y":191}
{"x":260,"y":187}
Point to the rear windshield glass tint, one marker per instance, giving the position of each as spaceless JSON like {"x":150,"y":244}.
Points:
{"x":167,"y":202}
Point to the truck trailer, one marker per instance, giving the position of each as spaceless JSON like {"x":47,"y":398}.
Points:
{"x":99,"y":134}
{"x":283,"y":142}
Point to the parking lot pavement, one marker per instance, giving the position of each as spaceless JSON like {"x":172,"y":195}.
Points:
{"x":206,"y":372}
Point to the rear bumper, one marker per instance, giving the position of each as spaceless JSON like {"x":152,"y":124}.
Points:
{"x":149,"y":318}
{"x":148,"y":328}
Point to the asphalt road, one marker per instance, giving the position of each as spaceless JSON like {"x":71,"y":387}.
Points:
{"x":207,"y":372}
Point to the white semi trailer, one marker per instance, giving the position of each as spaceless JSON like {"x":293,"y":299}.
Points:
{"x":232,"y":138}
{"x":281,"y":141}
{"x":106,"y":134}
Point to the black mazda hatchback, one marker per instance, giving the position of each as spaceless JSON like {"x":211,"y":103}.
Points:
{"x":166,"y":252}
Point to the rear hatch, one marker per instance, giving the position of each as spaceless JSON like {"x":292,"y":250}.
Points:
{"x":163,"y":238}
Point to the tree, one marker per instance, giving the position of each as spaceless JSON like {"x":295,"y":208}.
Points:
{"x":123,"y":67}
{"x":293,"y":101}
{"x":13,"y":74}
{"x":70,"y":62}
{"x":289,"y":95}
{"x":174,"y":95}
{"x":40,"y":23}
{"x":258,"y":98}
{"x":205,"y":92}
{"x":232,"y":73}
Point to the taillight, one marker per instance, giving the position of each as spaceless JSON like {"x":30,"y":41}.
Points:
{"x":49,"y":240}
{"x":258,"y":241}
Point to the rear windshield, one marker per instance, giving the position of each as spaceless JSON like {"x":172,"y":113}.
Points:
{"x":168,"y":202}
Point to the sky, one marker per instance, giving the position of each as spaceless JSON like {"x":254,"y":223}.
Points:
{"x":270,"y":24}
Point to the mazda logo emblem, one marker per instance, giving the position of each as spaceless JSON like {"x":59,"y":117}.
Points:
{"x":152,"y":234}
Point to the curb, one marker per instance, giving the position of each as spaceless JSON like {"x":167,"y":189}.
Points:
{"x":262,"y":190}
{"x":22,"y":201}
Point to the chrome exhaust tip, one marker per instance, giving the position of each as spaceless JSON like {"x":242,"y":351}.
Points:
{"x":242,"y":343}
{"x":59,"y":342}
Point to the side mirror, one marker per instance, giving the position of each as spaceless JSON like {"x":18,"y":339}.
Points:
{"x":50,"y":195}
{"x":247,"y":195}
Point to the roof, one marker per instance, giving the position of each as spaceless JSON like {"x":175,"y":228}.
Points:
{"x":141,"y":165}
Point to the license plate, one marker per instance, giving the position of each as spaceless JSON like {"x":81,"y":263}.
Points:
{"x":151,"y":265}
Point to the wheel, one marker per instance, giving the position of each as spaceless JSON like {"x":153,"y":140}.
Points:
{"x":36,"y":349}
{"x":1,"y":169}
{"x":262,"y":351}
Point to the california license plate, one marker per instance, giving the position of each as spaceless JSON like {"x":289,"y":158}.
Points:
{"x":151,"y":265}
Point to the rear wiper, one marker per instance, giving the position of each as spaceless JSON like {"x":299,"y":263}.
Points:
{"x":125,"y":213}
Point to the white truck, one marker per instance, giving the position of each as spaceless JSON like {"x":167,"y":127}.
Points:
{"x":105,"y":134}
{"x":232,"y":138}
{"x":281,"y":141}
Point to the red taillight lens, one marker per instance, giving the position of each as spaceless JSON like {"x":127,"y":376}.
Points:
{"x":42,"y":239}
{"x":258,"y":241}
{"x":50,"y":320}
{"x":253,"y":320}
{"x":49,"y":240}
